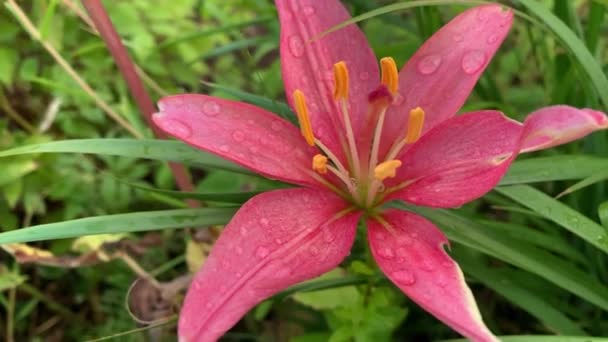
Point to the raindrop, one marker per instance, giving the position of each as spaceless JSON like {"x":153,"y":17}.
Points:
{"x":364,"y":76}
{"x":244,"y":231}
{"x":429,"y":64}
{"x":314,"y":250}
{"x":328,"y":236}
{"x":492,"y":39}
{"x":262,"y":252}
{"x":208,"y":305}
{"x":386,"y":253}
{"x":404,"y":277}
{"x":239,"y":250}
{"x":296,"y":46}
{"x":380,"y":236}
{"x":264,"y":221}
{"x":177,"y":128}
{"x":278,"y":241}
{"x":254,"y":149}
{"x":238,"y":275}
{"x":238,"y":136}
{"x":458,"y":38}
{"x":251,"y":122}
{"x":211,"y":108}
{"x":276,"y":125}
{"x":224,"y":148}
{"x":309,"y":10}
{"x":398,"y":99}
{"x":482,"y":15}
{"x":427,"y":265}
{"x":473,"y":61}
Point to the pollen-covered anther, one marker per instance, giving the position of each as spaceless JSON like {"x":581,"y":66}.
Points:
{"x":387,"y":169}
{"x":303,"y":118}
{"x":390,"y":74}
{"x":414,"y":126}
{"x":319,"y":163}
{"x":341,"y":81}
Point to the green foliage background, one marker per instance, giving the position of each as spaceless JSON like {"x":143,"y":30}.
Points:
{"x":537,"y":264}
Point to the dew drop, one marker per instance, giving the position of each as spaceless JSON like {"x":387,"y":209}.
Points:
{"x":208,"y":305}
{"x":429,"y":64}
{"x":224,"y":148}
{"x":398,"y":99}
{"x":386,"y":253}
{"x":276,"y":125}
{"x":380,"y":236}
{"x":328,"y":236}
{"x":473,"y":61}
{"x":211,"y":108}
{"x":446,"y":264}
{"x":492,"y":39}
{"x":278,"y":241}
{"x":264,"y":222}
{"x":239,"y":250}
{"x":404,"y":277}
{"x":254,"y":149}
{"x":309,"y":10}
{"x":238,"y":275}
{"x":177,"y":128}
{"x":458,"y":38}
{"x":296,"y":45}
{"x":262,"y":252}
{"x":314,"y":250}
{"x":482,"y":15}
{"x":427,"y":265}
{"x":244,"y":231}
{"x":364,"y":76}
{"x":238,"y":136}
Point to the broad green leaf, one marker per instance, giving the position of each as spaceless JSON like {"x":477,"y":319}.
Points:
{"x":15,"y":169}
{"x":559,"y":213}
{"x":574,"y":44}
{"x":561,"y":167}
{"x":603,"y":214}
{"x":121,"y":223}
{"x":166,"y":150}
{"x":330,"y":298}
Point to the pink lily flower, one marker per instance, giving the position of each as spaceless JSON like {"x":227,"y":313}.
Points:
{"x":367,"y":135}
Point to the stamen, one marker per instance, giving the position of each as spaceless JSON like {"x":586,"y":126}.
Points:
{"x":387,"y":169}
{"x":303,"y":117}
{"x":341,"y":81}
{"x":414,"y":126}
{"x":390,"y":75}
{"x":319,"y":163}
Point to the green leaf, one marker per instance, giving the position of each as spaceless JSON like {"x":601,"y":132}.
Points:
{"x":603,"y":214}
{"x":121,"y":223}
{"x":468,"y":232}
{"x":331,"y":298}
{"x":586,"y":61}
{"x":16,"y":169}
{"x":559,"y":213}
{"x":598,"y":177}
{"x":10,"y":279}
{"x":562,"y":167}
{"x":166,"y":150}
{"x":544,"y":338}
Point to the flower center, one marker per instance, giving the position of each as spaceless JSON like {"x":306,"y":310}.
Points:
{"x":361,"y":179}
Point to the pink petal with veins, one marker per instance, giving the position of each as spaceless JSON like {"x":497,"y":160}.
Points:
{"x":242,"y":133}
{"x":556,"y":125}
{"x":275,"y":240}
{"x":458,"y":161}
{"x":307,"y":63}
{"x":411,"y":254}
{"x":442,"y":73}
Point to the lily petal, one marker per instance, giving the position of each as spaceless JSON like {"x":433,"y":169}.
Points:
{"x":410,"y":252}
{"x":242,"y":133}
{"x":307,"y":63}
{"x":556,"y":125}
{"x":458,"y":161}
{"x":275,"y":240}
{"x":442,"y":73}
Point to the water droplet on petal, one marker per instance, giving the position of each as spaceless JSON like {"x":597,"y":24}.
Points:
{"x":404,"y":277}
{"x":309,"y":10}
{"x":427,"y":265}
{"x":364,"y":76}
{"x":492,"y":39}
{"x":278,"y":241}
{"x":458,"y":38}
{"x":446,"y":264}
{"x":208,"y":305}
{"x":328,"y":236}
{"x":276,"y":125}
{"x":238,"y":136}
{"x":473,"y":61}
{"x":429,"y":64}
{"x":264,"y":221}
{"x":482,"y":15}
{"x":177,"y":128}
{"x":262,"y":252}
{"x":244,"y":231}
{"x":238,"y":275}
{"x":254,"y":149}
{"x":380,"y":236}
{"x":386,"y":253}
{"x":239,"y":250}
{"x":314,"y":250}
{"x":224,"y":148}
{"x":296,"y":45}
{"x":211,"y":108}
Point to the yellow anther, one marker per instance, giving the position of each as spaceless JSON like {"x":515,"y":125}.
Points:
{"x":414,"y":126}
{"x":340,"y":80}
{"x":303,"y":118}
{"x":390,"y":75}
{"x":319,"y":163}
{"x":387,"y":169}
